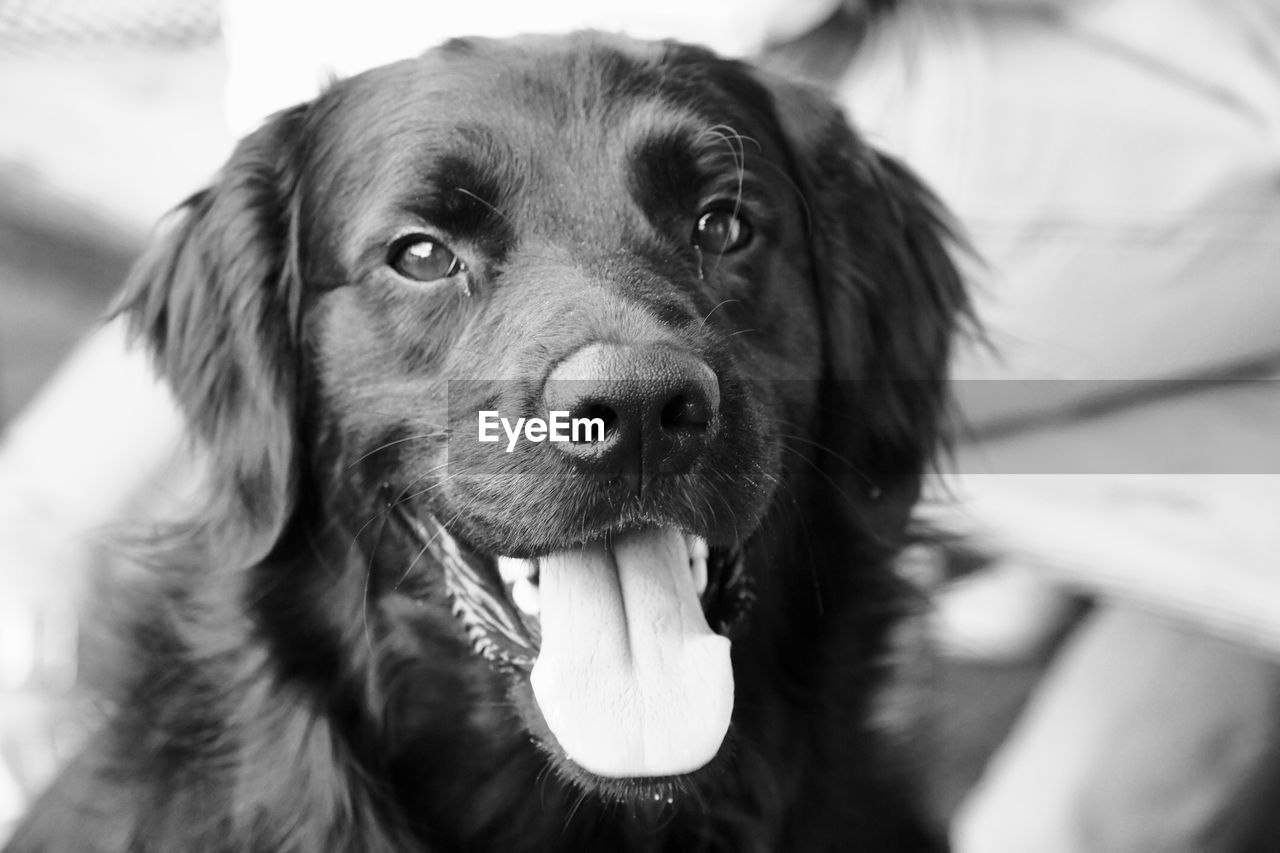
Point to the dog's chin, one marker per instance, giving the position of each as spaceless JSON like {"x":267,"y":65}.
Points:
{"x":634,"y":713}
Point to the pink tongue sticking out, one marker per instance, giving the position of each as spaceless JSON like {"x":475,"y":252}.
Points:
{"x":630,"y":679}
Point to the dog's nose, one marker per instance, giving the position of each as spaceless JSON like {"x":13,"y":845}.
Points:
{"x":657,"y":406}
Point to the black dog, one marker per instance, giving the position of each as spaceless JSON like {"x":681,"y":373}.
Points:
{"x":387,"y":634}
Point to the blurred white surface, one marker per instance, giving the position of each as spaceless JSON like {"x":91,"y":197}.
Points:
{"x":282,"y":52}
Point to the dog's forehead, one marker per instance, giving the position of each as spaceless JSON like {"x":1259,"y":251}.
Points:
{"x":547,"y":109}
{"x":584,"y":75}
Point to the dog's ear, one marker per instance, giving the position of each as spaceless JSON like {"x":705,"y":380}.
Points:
{"x":216,"y":301}
{"x":881,"y":250}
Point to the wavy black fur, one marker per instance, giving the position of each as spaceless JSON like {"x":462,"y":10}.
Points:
{"x":300,"y":683}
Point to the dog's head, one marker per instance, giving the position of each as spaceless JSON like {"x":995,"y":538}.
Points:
{"x":537,"y":370}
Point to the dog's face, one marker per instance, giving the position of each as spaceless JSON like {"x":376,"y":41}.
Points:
{"x":698,"y":261}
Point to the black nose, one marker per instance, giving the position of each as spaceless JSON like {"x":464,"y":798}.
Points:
{"x":657,"y":406}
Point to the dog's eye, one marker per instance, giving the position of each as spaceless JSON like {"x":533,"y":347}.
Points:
{"x":721,"y":230}
{"x":423,"y":258}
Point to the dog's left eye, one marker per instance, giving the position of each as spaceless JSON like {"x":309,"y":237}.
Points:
{"x":721,"y":230}
{"x":423,"y":258}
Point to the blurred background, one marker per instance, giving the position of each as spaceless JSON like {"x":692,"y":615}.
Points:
{"x":110,"y":113}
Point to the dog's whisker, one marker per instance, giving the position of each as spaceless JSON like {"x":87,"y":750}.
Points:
{"x":736,"y":142}
{"x":404,"y":575}
{"x":487,"y":204}
{"x":414,"y":562}
{"x":355,"y":537}
{"x":830,"y":451}
{"x":369,"y":569}
{"x":425,"y":547}
{"x":541,"y":780}
{"x":364,"y":609}
{"x":715,"y":308}
{"x":795,"y":188}
{"x":814,"y":564}
{"x":418,"y":437}
{"x":408,"y":486}
{"x":378,"y":515}
{"x":573,"y":810}
{"x":436,"y":485}
{"x":804,"y":457}
{"x":368,"y":579}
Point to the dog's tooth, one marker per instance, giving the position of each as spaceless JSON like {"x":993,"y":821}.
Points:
{"x":526,"y":596}
{"x":698,"y":554}
{"x":512,"y":569}
{"x":700,"y":576}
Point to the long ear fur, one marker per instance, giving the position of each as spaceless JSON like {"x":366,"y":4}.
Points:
{"x":880,"y":246}
{"x":216,"y":300}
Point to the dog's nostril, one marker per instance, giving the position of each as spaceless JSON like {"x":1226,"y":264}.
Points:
{"x":685,"y":412}
{"x":604,"y":413}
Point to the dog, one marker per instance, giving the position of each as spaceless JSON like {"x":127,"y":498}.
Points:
{"x":423,"y":610}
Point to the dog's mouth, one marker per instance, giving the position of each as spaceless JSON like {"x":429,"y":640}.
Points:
{"x":624,"y":640}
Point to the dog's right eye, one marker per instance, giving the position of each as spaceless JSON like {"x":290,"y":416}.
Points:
{"x":425,"y":259}
{"x":721,"y":230}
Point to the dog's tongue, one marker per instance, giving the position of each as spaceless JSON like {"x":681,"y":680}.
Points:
{"x":630,"y":679}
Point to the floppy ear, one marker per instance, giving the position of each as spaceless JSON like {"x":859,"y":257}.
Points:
{"x":216,"y":301}
{"x":880,"y":246}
